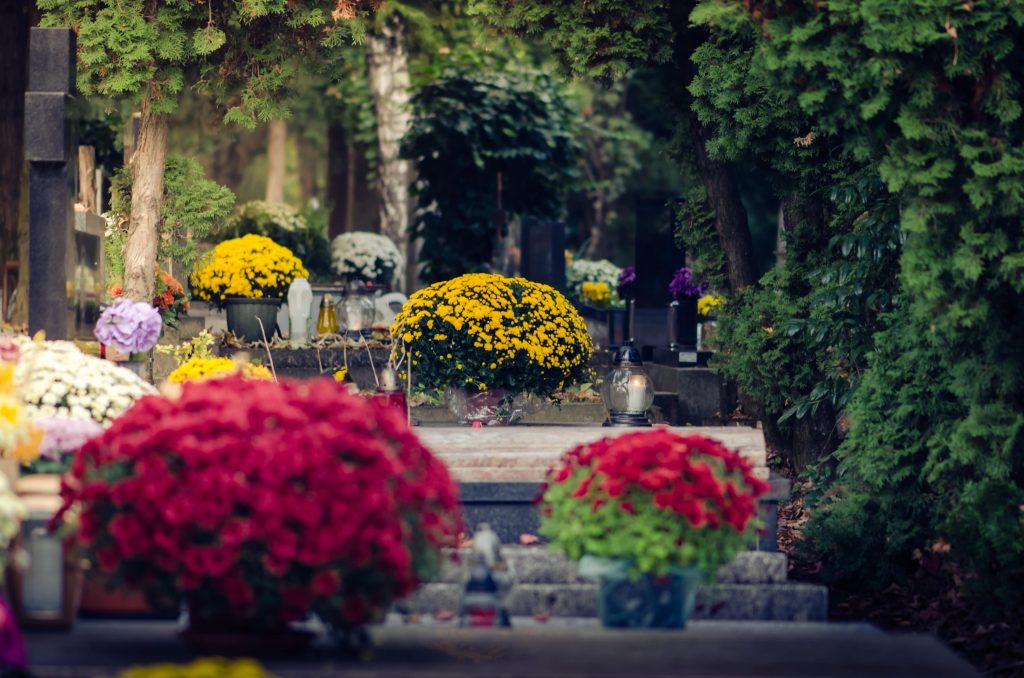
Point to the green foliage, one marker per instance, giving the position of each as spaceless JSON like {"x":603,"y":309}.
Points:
{"x":802,"y":337}
{"x":193,"y":208}
{"x":289,"y":228}
{"x":601,"y":39}
{"x":468,"y":129}
{"x":930,"y":92}
{"x":246,"y":53}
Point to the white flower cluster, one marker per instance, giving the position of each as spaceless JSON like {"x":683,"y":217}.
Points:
{"x":583,"y":270}
{"x":282,"y":214}
{"x":12,"y":512}
{"x":365,"y":255}
{"x":56,"y":378}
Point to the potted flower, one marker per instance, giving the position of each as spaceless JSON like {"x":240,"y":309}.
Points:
{"x":257,"y":503}
{"x":488,"y":338}
{"x":248,"y":276}
{"x":682,"y":313}
{"x":648,"y":515}
{"x":367,"y":257}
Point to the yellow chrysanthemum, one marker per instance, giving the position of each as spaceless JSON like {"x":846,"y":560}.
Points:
{"x":201,"y":369}
{"x":487,"y":329}
{"x":252,"y":266}
{"x":707,"y":304}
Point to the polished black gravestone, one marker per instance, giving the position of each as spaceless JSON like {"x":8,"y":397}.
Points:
{"x":543,"y":247}
{"x":657,"y":257}
{"x":50,"y":143}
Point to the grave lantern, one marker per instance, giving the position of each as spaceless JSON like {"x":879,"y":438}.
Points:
{"x":628,"y":392}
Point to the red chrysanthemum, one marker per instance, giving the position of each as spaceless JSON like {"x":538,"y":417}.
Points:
{"x":266,"y":500}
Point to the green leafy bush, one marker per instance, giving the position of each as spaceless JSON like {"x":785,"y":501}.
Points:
{"x":470,"y":132}
{"x":193,"y":208}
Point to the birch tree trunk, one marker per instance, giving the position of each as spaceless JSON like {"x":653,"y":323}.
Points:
{"x":388,"y":72}
{"x":147,"y":167}
{"x":277,"y":138}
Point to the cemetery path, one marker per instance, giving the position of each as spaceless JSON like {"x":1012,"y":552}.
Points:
{"x":558,"y":649}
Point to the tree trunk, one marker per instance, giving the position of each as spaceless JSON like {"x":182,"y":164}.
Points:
{"x":277,"y":156}
{"x":730,"y":216}
{"x":14,"y":25}
{"x":388,"y":73}
{"x":307,"y":169}
{"x":147,"y":166}
{"x":719,"y":182}
{"x":338,"y":163}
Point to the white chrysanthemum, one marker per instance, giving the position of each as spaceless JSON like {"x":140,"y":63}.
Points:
{"x":365,"y":255}
{"x":56,"y":378}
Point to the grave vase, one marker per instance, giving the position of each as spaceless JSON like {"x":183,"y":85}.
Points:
{"x":495,"y":406}
{"x":651,"y":601}
{"x":245,"y":315}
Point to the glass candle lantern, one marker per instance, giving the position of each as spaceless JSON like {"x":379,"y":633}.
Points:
{"x":628,"y":392}
{"x":360,"y":311}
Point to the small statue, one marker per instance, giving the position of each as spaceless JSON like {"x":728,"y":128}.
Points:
{"x":487,"y":544}
{"x":300,"y":307}
{"x":483,"y":600}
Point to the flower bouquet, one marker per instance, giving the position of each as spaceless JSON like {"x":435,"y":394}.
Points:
{"x":369,"y":257}
{"x":645,"y":505}
{"x":484,"y":332}
{"x":594,"y":283}
{"x":131,"y":327}
{"x":707,"y":307}
{"x":259,"y":502}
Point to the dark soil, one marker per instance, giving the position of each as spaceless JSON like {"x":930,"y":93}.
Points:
{"x":931,"y":601}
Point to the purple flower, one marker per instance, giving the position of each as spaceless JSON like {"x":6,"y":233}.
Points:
{"x":682,"y":285}
{"x":627,"y":278}
{"x":129,"y":326}
{"x":65,"y":435}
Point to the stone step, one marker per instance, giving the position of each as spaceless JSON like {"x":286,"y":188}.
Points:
{"x":541,"y":565}
{"x":737,"y":602}
{"x":525,"y":453}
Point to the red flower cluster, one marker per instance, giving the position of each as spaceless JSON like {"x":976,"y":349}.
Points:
{"x":694,"y":476}
{"x":169,"y":293}
{"x":262,"y":501}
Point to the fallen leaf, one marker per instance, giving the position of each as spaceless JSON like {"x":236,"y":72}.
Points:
{"x":542,"y":617}
{"x":526,"y":539}
{"x":444,"y":615}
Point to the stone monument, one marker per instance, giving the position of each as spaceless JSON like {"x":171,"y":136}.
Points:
{"x":51,"y":152}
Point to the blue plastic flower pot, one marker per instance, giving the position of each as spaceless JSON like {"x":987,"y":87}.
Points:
{"x":651,"y":601}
